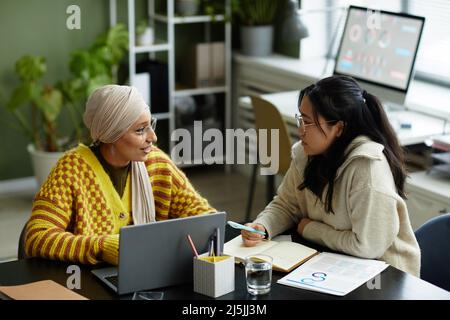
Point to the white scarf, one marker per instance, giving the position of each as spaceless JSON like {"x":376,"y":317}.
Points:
{"x":110,"y":112}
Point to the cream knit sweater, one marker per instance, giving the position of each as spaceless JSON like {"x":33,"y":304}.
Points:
{"x":370,"y":220}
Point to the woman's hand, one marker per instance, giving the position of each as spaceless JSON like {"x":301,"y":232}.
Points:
{"x":250,"y":238}
{"x":302,"y":225}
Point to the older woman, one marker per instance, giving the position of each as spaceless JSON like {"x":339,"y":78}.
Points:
{"x":121,"y":179}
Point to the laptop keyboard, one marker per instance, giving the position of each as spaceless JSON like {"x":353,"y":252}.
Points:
{"x":114,"y":280}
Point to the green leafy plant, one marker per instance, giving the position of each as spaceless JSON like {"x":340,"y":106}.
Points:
{"x":90,"y":68}
{"x":141,"y":26}
{"x":255,"y":12}
{"x":46,"y":102}
{"x":215,"y":7}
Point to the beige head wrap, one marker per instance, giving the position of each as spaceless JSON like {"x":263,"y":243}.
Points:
{"x":110,"y":112}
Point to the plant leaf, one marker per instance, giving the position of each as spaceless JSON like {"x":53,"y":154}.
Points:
{"x":97,"y":82}
{"x":50,"y":104}
{"x":20,"y":96}
{"x":31,"y":68}
{"x":79,"y":63}
{"x":117,"y":41}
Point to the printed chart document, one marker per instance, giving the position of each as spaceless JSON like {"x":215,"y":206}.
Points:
{"x":40,"y":290}
{"x":334,"y":274}
{"x":286,"y":255}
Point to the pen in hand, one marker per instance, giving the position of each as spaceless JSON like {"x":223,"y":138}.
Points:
{"x":247,"y":228}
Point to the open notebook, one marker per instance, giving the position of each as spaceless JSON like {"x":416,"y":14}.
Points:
{"x":286,"y":255}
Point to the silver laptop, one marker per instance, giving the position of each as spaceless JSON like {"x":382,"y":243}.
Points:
{"x":158,"y":254}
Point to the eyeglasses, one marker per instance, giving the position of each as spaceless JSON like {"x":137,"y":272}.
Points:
{"x":146,"y":129}
{"x":153,"y":124}
{"x":302,"y":126}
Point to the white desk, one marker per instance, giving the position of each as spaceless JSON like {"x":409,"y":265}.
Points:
{"x":422,"y":126}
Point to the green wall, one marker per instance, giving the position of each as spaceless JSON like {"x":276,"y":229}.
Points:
{"x":39,"y":28}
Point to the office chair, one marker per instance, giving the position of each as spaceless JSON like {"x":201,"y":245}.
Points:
{"x":21,"y":249}
{"x":434,"y":242}
{"x":268,"y":117}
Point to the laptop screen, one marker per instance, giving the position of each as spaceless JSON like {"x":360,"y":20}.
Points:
{"x":158,"y":254}
{"x":379,"y":47}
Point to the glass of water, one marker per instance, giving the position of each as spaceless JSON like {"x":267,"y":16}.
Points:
{"x":258,"y":273}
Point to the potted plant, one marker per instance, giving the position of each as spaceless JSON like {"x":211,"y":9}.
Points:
{"x":144,"y":34}
{"x":256,"y":18}
{"x":90,"y":69}
{"x":45,"y":103}
{"x":186,"y":7}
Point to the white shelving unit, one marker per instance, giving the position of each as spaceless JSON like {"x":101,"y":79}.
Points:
{"x":192,"y":19}
{"x":168,"y":45}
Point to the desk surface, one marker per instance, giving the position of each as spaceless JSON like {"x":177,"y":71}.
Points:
{"x":422,"y":126}
{"x":395,"y":284}
{"x":422,"y":96}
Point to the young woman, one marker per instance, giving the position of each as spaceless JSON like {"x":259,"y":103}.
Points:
{"x":121,"y":179}
{"x":345,"y":187}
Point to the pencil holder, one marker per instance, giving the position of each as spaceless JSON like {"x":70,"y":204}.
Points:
{"x":213,"y":276}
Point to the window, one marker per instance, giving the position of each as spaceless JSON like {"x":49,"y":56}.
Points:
{"x":325,"y":21}
{"x":325,"y":29}
{"x":432,"y":60}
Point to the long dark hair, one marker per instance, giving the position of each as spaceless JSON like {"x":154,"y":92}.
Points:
{"x":340,"y":98}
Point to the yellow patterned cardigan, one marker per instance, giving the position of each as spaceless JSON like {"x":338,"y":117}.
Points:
{"x":77,"y":213}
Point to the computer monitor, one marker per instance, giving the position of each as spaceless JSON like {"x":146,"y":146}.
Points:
{"x":378,"y":48}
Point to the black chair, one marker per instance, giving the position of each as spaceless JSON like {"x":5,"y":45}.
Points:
{"x":21,"y":249}
{"x":434,"y":242}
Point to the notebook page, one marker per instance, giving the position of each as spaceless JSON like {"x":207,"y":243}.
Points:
{"x":236,"y":248}
{"x":286,"y":255}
